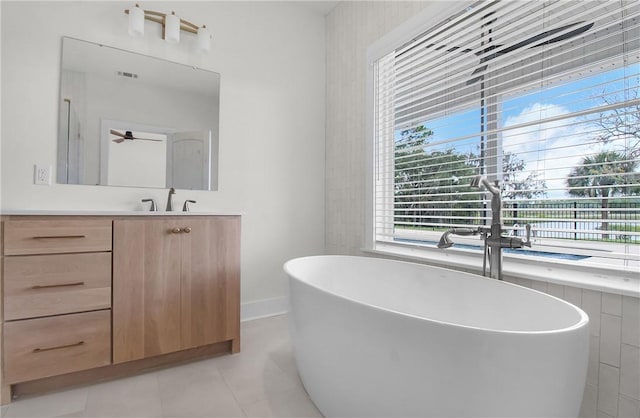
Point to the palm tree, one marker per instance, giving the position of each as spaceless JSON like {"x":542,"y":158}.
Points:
{"x":604,"y":175}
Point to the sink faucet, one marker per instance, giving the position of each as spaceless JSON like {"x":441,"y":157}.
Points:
{"x":494,"y":241}
{"x":169,"y":201}
{"x":185,"y":207}
{"x":153,"y":207}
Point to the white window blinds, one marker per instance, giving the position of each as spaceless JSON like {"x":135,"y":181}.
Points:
{"x":539,"y":95}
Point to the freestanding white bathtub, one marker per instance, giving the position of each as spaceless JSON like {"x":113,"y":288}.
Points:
{"x":382,"y":338}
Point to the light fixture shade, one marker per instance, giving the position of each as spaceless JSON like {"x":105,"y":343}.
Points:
{"x":136,"y":21}
{"x":204,"y":39}
{"x":172,"y":28}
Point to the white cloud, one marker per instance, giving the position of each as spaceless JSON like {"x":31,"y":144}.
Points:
{"x":554,"y":147}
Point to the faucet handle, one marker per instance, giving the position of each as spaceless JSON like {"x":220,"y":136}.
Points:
{"x":185,"y":207}
{"x":153,"y":206}
{"x":515,"y":242}
{"x":465,"y":231}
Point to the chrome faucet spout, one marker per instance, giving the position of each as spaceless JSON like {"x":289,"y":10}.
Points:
{"x":475,"y":182}
{"x":496,"y":198}
{"x":445,"y":241}
{"x":482,"y":180}
{"x":172,"y":191}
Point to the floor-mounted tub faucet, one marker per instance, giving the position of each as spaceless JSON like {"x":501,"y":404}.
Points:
{"x":494,"y":241}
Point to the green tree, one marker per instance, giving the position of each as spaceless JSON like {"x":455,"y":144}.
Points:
{"x":603,"y":176}
{"x":409,"y":174}
{"x":409,"y":155}
{"x":424,"y":181}
{"x":516,"y":187}
{"x":432,"y":187}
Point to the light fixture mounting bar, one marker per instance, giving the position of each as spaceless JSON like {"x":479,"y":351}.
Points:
{"x":159,"y":17}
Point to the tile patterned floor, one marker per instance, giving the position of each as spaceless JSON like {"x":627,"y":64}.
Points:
{"x":260,"y":381}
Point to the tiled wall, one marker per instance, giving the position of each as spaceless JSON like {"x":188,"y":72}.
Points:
{"x":613,"y":377}
{"x":351,"y":27}
{"x":613,"y":382}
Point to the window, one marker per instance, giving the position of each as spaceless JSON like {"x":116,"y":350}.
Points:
{"x":539,"y":96}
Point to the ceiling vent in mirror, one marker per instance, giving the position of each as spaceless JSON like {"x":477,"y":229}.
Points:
{"x":127,"y":74}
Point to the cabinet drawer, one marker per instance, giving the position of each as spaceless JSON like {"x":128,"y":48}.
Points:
{"x":41,"y":285}
{"x":42,"y":347}
{"x":56,"y":236}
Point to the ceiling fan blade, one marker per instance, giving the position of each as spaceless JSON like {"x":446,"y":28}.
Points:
{"x":548,"y":33}
{"x":564,"y":36}
{"x":476,"y":71}
{"x":539,"y":37}
{"x":129,"y":136}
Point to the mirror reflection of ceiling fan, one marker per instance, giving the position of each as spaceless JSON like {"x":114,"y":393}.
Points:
{"x":128,"y":135}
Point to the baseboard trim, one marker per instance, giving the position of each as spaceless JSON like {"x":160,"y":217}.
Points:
{"x":264,"y":308}
{"x":120,"y":370}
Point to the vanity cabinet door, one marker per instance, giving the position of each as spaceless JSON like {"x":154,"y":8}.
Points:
{"x":146,"y":289}
{"x":176,"y":284}
{"x":210,"y":280}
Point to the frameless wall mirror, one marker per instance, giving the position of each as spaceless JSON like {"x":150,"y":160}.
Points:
{"x":128,"y":119}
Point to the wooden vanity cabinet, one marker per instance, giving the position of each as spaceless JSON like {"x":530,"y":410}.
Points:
{"x":176,"y":284}
{"x":86,"y":298}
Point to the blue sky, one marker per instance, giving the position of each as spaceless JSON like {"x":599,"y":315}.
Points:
{"x":554,"y":147}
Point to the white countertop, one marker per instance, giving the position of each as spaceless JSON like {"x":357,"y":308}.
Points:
{"x":114,"y":213}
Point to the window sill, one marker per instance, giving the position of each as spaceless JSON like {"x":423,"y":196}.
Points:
{"x":587,"y":276}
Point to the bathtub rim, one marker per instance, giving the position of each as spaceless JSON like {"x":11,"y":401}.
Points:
{"x":582,"y":322}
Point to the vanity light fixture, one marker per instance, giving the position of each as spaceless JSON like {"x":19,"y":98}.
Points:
{"x":172,"y":25}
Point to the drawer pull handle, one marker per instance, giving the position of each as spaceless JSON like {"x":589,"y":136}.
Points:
{"x":187,"y":229}
{"x":40,"y":350}
{"x":46,"y":286}
{"x":60,"y":236}
{"x":176,"y":230}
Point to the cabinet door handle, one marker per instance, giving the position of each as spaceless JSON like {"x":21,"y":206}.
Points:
{"x":59,"y":236}
{"x":40,"y":350}
{"x":186,"y":229}
{"x":176,"y":230}
{"x":46,"y":286}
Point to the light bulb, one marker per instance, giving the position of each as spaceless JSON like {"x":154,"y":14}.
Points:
{"x":172,"y":28}
{"x":136,"y":21}
{"x":204,"y":39}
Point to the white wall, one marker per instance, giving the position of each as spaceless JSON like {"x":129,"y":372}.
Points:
{"x":140,"y":163}
{"x":271,"y":57}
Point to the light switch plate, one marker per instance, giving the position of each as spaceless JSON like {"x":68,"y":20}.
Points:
{"x":42,"y":175}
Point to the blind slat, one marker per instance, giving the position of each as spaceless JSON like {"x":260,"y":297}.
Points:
{"x":540,"y":95}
